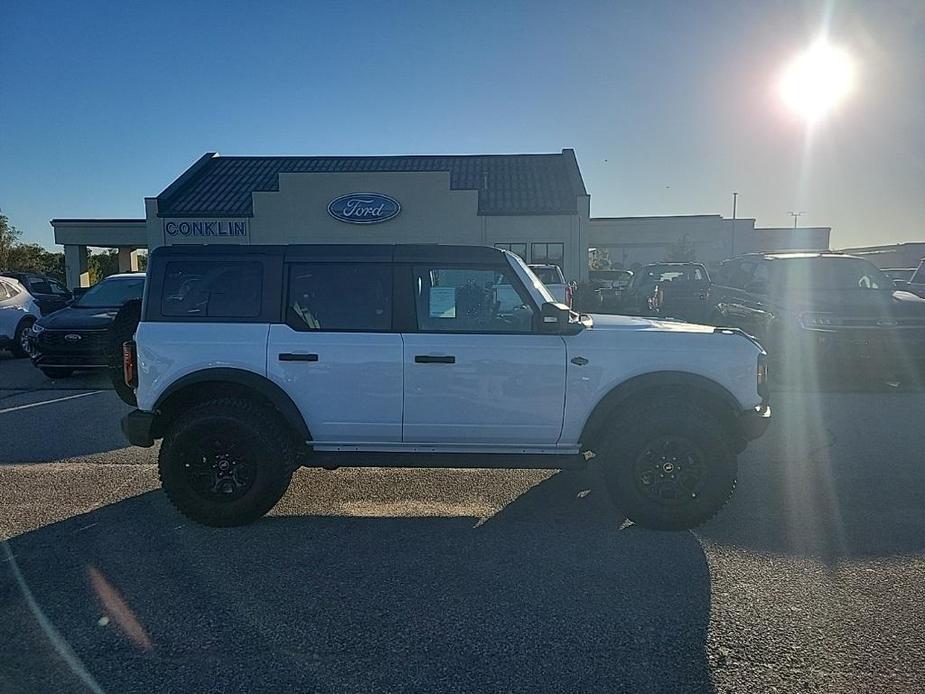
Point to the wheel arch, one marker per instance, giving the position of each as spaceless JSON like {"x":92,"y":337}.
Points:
{"x":207,"y":384}
{"x":635,"y":391}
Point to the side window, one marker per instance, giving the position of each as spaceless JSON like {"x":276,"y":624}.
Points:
{"x":57,"y":288}
{"x":4,"y":292}
{"x":40,"y":286}
{"x":213,"y":289}
{"x":760,"y":276}
{"x":339,"y":296}
{"x":469,"y":300}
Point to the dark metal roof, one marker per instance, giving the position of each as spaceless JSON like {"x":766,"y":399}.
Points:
{"x":507,"y":183}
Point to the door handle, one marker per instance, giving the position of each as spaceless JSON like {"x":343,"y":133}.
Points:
{"x":432,"y":359}
{"x":290,"y":356}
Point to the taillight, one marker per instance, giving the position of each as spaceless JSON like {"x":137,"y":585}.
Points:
{"x":569,"y":294}
{"x":763,"y":376}
{"x":130,"y":364}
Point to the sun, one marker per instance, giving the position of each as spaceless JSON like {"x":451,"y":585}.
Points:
{"x":817,"y":80}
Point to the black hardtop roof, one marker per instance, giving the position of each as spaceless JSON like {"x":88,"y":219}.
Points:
{"x":348,"y":252}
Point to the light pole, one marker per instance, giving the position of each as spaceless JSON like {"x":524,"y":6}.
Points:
{"x":735,"y":199}
{"x":796,"y":216}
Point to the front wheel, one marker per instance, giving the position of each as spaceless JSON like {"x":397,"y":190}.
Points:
{"x":671,"y":467}
{"x":20,"y":346}
{"x":225,"y":462}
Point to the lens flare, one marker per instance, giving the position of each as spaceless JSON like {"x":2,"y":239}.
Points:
{"x":817,"y":80}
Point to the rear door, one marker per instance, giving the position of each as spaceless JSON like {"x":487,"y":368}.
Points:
{"x":9,"y":311}
{"x":336,"y":354}
{"x":475,"y":372}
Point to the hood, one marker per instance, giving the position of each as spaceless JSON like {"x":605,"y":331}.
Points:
{"x":607,"y":322}
{"x":855,"y":303}
{"x":77,"y":318}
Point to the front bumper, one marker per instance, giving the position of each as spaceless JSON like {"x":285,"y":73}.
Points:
{"x":753,"y":423}
{"x":138,"y":427}
{"x":49,"y":349}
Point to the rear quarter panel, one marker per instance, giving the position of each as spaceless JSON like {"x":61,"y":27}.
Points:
{"x":170,"y":351}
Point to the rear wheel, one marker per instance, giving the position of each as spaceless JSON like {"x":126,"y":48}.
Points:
{"x":670,"y":467}
{"x":56,"y":371}
{"x":20,"y":346}
{"x":226,"y":462}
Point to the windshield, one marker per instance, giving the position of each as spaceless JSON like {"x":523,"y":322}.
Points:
{"x":919,"y":276}
{"x":112,"y":293}
{"x":827,"y":273}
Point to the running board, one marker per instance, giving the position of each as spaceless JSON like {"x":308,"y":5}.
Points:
{"x":510,"y":461}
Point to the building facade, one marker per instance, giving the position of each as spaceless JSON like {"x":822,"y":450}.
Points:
{"x":535,"y":205}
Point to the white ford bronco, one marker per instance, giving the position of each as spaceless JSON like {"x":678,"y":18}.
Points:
{"x":251,"y":361}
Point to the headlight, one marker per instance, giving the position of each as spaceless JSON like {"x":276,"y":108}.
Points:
{"x":819,"y":321}
{"x":37,"y":329}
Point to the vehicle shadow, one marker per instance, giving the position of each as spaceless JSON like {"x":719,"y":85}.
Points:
{"x":550,"y":594}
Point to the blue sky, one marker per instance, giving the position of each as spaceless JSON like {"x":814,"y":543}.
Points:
{"x":670,"y":106}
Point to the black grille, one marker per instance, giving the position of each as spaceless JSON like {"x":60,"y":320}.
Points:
{"x":95,"y":341}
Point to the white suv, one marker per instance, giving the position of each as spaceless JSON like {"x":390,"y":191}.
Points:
{"x":18,"y":313}
{"x":251,"y":361}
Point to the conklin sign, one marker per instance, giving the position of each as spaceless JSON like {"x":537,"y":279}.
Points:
{"x":197,"y":230}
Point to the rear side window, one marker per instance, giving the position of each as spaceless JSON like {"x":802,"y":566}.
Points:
{"x":339,"y":297}
{"x":213,"y":289}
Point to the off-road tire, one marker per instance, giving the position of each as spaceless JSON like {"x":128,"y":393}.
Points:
{"x":270,"y":444}
{"x":54,"y":372}
{"x":623,"y":449}
{"x":16,"y":347}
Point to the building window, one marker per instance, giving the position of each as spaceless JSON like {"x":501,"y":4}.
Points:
{"x":548,"y":253}
{"x":515,"y":248}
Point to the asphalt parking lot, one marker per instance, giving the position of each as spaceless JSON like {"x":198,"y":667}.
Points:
{"x":812,"y":579}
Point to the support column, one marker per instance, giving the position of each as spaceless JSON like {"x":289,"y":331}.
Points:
{"x":76,"y":268}
{"x":128,"y":259}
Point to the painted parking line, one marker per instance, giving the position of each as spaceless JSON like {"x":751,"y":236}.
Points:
{"x":49,"y":402}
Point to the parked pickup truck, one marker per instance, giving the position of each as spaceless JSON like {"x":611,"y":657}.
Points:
{"x":828,"y":310}
{"x":644,"y":295}
{"x":250,"y":361}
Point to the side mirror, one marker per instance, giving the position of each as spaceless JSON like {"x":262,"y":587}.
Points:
{"x":554,"y":317}
{"x":757,"y":288}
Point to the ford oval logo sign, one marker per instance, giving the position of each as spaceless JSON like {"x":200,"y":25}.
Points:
{"x":364,"y":208}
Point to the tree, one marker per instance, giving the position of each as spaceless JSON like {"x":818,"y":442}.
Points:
{"x":103,"y":264}
{"x":34,"y":258}
{"x":9,"y":235}
{"x":681,"y":251}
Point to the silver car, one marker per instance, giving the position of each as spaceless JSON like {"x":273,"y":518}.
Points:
{"x":18,"y":311}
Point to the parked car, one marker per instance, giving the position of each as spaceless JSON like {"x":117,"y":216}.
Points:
{"x":640,"y":299}
{"x":49,"y":294}
{"x":552,"y":277}
{"x":78,"y":336}
{"x":18,"y":312}
{"x":277,"y":357}
{"x":827,"y":310}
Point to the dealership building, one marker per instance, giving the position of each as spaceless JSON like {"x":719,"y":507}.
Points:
{"x":535,"y":205}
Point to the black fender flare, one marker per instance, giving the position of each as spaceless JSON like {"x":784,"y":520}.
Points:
{"x":651,"y":383}
{"x":246,"y":380}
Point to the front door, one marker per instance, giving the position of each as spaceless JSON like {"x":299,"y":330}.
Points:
{"x":475,"y":372}
{"x":336,"y":356}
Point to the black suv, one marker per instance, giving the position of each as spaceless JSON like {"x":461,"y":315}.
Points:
{"x":828,"y":310}
{"x":79,"y":336}
{"x":49,"y":294}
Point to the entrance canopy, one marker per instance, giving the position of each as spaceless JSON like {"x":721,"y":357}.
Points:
{"x":127,"y":235}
